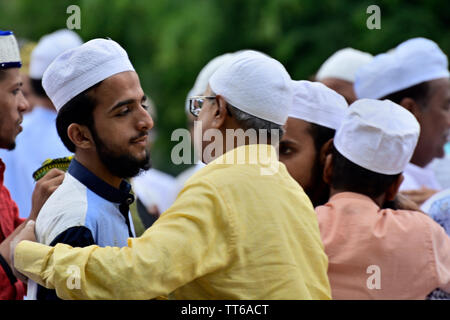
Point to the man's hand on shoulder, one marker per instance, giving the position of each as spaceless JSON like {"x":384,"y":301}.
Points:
{"x":44,"y":189}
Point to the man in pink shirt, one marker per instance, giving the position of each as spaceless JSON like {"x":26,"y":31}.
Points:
{"x":378,"y":253}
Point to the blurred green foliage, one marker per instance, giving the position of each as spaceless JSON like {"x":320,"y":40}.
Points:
{"x":169,"y":41}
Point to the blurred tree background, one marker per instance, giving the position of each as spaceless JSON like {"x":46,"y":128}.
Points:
{"x":169,"y":41}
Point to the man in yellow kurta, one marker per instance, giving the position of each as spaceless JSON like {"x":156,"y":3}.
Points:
{"x":241,"y":228}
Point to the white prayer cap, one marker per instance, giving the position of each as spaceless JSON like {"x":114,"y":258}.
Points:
{"x":79,"y":68}
{"x":343,"y":64}
{"x":9,"y":51}
{"x":412,"y":62}
{"x":314,"y":102}
{"x":379,"y":136}
{"x":201,"y":82}
{"x":49,"y":47}
{"x":256,"y":84}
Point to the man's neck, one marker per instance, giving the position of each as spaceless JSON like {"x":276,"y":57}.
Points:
{"x":379,"y":200}
{"x":93,"y":164}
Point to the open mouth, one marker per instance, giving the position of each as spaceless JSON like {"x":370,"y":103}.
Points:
{"x":19,"y":125}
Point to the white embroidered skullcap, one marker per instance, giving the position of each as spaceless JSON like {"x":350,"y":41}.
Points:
{"x":314,"y":102}
{"x":201,"y":82}
{"x":343,"y":64}
{"x":9,"y":51}
{"x":410,"y":63}
{"x":78,"y":69}
{"x":49,"y":47}
{"x":379,"y":136}
{"x":256,"y":84}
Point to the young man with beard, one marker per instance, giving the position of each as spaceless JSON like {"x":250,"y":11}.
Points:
{"x":103,"y":119}
{"x":316,"y":113}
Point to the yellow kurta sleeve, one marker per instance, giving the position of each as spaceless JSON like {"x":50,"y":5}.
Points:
{"x":192,"y":238}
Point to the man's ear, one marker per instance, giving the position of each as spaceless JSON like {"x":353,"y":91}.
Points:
{"x":392,"y":191}
{"x":80,"y":136}
{"x":221,"y":113}
{"x":412,"y":106}
{"x":328,"y":169}
{"x":325,"y":151}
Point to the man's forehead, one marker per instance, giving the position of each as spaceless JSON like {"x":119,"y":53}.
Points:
{"x":439,"y":88}
{"x":208,"y":91}
{"x":117,"y":89}
{"x":296,"y":128}
{"x":124,"y":83}
{"x":11,"y":74}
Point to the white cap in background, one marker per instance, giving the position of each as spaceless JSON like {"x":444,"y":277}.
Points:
{"x":49,"y":47}
{"x":343,"y":64}
{"x":410,"y":63}
{"x":316,"y":103}
{"x":201,"y":82}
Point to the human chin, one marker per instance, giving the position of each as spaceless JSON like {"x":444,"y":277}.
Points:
{"x":11,"y":146}
{"x":125,"y":166}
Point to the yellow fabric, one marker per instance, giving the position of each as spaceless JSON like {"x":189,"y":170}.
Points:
{"x":234,"y":232}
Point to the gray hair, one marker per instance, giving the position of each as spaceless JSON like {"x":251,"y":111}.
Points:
{"x":247,"y":121}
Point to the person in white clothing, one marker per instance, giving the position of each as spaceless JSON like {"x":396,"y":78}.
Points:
{"x":415,"y":75}
{"x":441,"y":168}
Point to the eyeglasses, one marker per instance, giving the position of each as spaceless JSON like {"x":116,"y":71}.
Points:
{"x":196,"y":104}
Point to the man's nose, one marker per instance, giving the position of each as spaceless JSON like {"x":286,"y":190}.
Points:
{"x":24,"y":105}
{"x":145,"y":120}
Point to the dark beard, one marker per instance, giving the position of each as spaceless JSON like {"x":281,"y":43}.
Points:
{"x":11,"y":147}
{"x":123,"y":165}
{"x":319,"y":192}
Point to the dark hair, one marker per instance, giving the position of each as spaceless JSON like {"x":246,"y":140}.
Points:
{"x":78,"y":110}
{"x":351,"y":177}
{"x":418,"y":93}
{"x":36,"y":84}
{"x":2,"y":74}
{"x":320,"y":135}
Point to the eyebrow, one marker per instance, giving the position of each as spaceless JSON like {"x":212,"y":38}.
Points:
{"x":19,"y":83}
{"x":125,"y":102}
{"x":288,"y":141}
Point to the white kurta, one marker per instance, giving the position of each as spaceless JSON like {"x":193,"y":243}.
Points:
{"x":441,"y":168}
{"x":417,"y":177}
{"x":155,"y":187}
